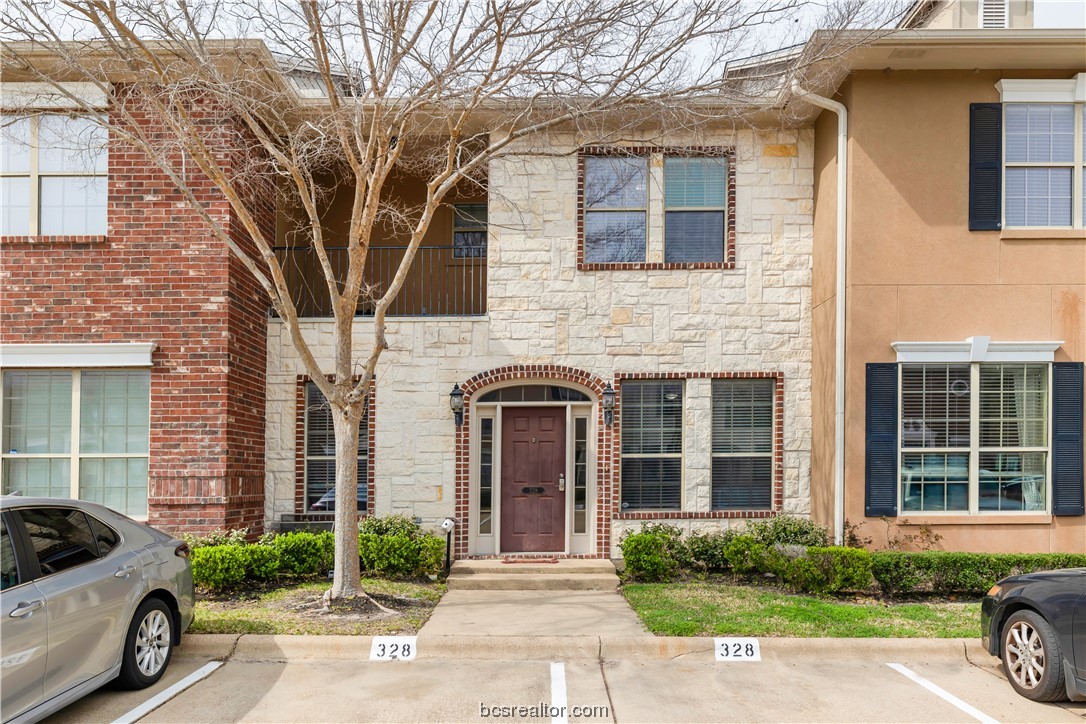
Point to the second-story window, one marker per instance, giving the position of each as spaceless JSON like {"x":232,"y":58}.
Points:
{"x":695,"y":209}
{"x":469,"y":230}
{"x":52,"y":176}
{"x":615,"y":208}
{"x":1043,"y":154}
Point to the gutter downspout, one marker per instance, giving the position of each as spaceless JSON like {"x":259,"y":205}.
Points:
{"x":839,"y":356}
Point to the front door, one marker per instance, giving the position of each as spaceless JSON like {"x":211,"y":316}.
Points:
{"x":533,"y":501}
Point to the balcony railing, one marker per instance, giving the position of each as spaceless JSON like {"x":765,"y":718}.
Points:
{"x":439,"y":283}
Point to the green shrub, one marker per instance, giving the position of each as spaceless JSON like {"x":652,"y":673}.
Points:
{"x":706,"y":550}
{"x":896,"y":572}
{"x":219,"y":567}
{"x":220,"y":537}
{"x":304,"y":554}
{"x":262,"y":562}
{"x":400,"y":555}
{"x":826,"y":570}
{"x":788,"y":530}
{"x":746,"y":556}
{"x":390,"y":525}
{"x":946,"y":572}
{"x":648,"y":556}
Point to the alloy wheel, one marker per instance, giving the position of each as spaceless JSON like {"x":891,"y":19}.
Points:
{"x":1025,"y":654}
{"x":152,"y":643}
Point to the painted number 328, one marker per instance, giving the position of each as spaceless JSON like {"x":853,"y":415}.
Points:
{"x":393,"y":648}
{"x":738,"y":649}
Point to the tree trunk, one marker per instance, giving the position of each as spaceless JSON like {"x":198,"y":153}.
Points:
{"x":346,"y":582}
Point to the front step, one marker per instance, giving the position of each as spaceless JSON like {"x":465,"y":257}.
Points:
{"x":565,"y":575}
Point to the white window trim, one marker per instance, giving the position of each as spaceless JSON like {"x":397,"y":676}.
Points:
{"x":107,"y":354}
{"x":976,"y":349}
{"x":974,"y":450}
{"x":1071,"y":91}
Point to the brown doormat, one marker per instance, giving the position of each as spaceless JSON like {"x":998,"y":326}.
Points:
{"x":529,"y":560}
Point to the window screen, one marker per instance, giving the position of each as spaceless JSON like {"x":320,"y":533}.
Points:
{"x":652,"y":442}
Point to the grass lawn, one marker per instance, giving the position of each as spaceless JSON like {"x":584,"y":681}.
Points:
{"x":719,"y":609}
{"x":296,"y":609}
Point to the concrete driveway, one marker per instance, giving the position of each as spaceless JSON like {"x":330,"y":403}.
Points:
{"x":584,"y":678}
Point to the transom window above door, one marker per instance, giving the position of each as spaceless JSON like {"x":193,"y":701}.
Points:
{"x":535,"y":393}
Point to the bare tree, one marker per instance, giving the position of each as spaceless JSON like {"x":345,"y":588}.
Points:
{"x":440,"y":89}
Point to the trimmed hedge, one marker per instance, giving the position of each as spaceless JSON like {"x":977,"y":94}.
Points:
{"x":395,"y":546}
{"x":947,"y":572}
{"x":782,"y":547}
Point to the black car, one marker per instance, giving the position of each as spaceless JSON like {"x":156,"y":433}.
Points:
{"x":1036,"y":624}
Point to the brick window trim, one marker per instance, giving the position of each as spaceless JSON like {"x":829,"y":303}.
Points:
{"x":60,"y":239}
{"x":299,"y":448}
{"x":778,"y":448}
{"x":727,"y":152}
{"x":462,"y":449}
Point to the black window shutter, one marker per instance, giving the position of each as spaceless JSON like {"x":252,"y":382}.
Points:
{"x":985,"y":166}
{"x":1067,"y":404}
{"x":880,"y":469}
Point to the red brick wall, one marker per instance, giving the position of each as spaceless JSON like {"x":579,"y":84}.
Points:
{"x":159,"y":275}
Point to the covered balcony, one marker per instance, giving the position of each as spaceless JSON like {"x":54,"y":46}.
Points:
{"x":447,"y":277}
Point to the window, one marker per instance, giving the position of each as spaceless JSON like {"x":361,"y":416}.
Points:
{"x":61,"y":538}
{"x":52,"y":176}
{"x":486,"y":475}
{"x":652,"y":444}
{"x":320,"y":455}
{"x":695,"y":209}
{"x":1042,"y":159}
{"x":742,"y":468}
{"x":580,"y":475}
{"x":9,"y":570}
{"x":106,"y":538}
{"x":78,"y":434}
{"x":974,"y":437}
{"x":615,"y":208}
{"x":469,"y":230}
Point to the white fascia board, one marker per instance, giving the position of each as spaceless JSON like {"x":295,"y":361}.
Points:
{"x":976,"y":349}
{"x":1017,"y":90}
{"x":108,"y":354}
{"x":46,"y":96}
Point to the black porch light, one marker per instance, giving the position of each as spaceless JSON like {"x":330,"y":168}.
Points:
{"x":456,"y":404}
{"x":608,"y":399}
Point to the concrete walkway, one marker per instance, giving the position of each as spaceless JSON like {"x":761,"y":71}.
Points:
{"x":533,"y":613}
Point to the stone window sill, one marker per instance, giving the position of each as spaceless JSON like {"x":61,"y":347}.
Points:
{"x":1042,"y":234}
{"x":60,"y":239}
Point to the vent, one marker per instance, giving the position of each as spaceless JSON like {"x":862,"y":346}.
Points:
{"x":993,"y":13}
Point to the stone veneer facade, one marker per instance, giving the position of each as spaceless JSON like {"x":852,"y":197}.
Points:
{"x":543,"y":310}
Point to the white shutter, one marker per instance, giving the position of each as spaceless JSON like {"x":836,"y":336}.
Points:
{"x":993,"y":13}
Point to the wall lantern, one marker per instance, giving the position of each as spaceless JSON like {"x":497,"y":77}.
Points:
{"x":456,"y":404}
{"x":608,"y":405}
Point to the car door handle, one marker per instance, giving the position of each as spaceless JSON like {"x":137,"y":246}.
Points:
{"x":124,"y":571}
{"x":25,"y":608}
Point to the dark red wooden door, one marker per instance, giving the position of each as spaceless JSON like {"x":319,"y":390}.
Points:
{"x":533,"y":463}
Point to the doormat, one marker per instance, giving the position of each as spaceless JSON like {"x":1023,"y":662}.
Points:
{"x":529,"y":560}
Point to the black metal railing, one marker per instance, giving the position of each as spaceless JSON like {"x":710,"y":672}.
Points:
{"x":439,"y":283}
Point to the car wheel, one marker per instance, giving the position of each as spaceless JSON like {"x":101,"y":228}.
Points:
{"x":1032,"y":659}
{"x":148,"y":645}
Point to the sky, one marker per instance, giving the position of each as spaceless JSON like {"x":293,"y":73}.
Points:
{"x":1059,"y":13}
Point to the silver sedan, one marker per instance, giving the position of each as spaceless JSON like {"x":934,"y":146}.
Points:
{"x":87,"y":596}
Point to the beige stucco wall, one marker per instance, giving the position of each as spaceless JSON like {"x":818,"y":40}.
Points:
{"x":917,"y":273}
{"x":542,"y":309}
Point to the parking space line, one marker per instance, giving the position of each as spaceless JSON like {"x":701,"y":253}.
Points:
{"x":943,"y":694}
{"x":166,"y":694}
{"x":558,"y":692}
